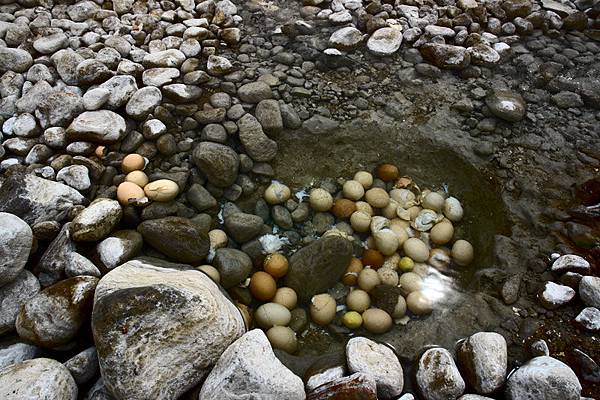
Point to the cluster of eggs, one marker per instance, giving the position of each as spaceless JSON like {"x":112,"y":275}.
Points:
{"x":136,"y":188}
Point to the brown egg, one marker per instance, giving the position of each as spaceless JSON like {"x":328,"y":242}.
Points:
{"x":322,"y":309}
{"x":129,"y":192}
{"x":343,"y":208}
{"x":351,"y":275}
{"x":137,"y":177}
{"x":372,"y":258}
{"x":387,"y":172}
{"x":377,"y":197}
{"x":376,"y":320}
{"x":276,"y":265}
{"x":100,"y":151}
{"x":132,"y":162}
{"x":262,"y":286}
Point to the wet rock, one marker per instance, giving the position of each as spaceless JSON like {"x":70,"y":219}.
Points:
{"x":103,"y":127}
{"x":506,"y":105}
{"x":254,"y":92}
{"x":54,"y":316}
{"x":589,"y":291}
{"x":567,"y":99}
{"x":13,"y":295}
{"x":482,"y":54}
{"x":346,"y":39}
{"x":177,"y":238}
{"x":516,"y":8}
{"x":588,"y":369}
{"x":437,"y":376}
{"x":139,"y":305}
{"x":218,"y":162}
{"x":96,"y":221}
{"x":99,"y":391}
{"x":16,"y":60}
{"x":268,"y":114}
{"x":243,"y":227}
{"x":16,"y":239}
{"x":171,"y":58}
{"x":570,"y":262}
{"x":483,"y":359}
{"x":217,"y":65}
{"x":75,"y":176}
{"x":385,"y":41}
{"x":16,"y":353}
{"x":356,"y":386}
{"x":474,"y":397}
{"x":143,"y":101}
{"x":40,"y":378}
{"x":257,"y":144}
{"x":200,"y":198}
{"x":83,"y":366}
{"x":248,"y":368}
{"x":234,"y":266}
{"x":119,"y":247}
{"x":377,"y":361}
{"x":589,"y":318}
{"x":317,"y":267}
{"x":543,"y":378}
{"x":446,"y":56}
{"x":121,"y":88}
{"x":36,"y":199}
{"x":182,"y":93}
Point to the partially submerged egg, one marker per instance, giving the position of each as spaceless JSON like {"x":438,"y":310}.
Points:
{"x":322,"y":309}
{"x":283,"y":338}
{"x":410,"y":282}
{"x":211,"y":271}
{"x":418,"y":303}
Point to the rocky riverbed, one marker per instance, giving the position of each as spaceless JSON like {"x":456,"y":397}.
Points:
{"x":139,"y":225}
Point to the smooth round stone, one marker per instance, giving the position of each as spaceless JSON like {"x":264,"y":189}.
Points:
{"x":385,"y":41}
{"x":437,"y":376}
{"x":40,"y":378}
{"x":483,"y":359}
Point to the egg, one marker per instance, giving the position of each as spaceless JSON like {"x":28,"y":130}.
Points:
{"x":272,"y":314}
{"x":343,"y":208}
{"x":211,"y":271}
{"x":442,"y":232}
{"x":378,"y":222}
{"x":410,"y":282}
{"x":364,"y":178}
{"x":262,"y":286}
{"x":246,"y":316}
{"x":416,"y":249}
{"x":283,"y":338}
{"x":376,"y":320}
{"x":137,"y":177}
{"x":462,"y":252}
{"x":372,"y":258}
{"x":276,"y":265}
{"x":406,"y":264}
{"x":434,"y":201}
{"x":100,"y":152}
{"x":132,"y":162}
{"x":400,"y":308}
{"x":404,"y":197}
{"x":352,"y":320}
{"x":388,"y":276}
{"x":358,"y":300}
{"x":386,"y":241}
{"x":161,"y":190}
{"x":377,"y":197}
{"x":320,"y":200}
{"x":453,"y":209}
{"x":421,"y":269}
{"x":277,"y":193}
{"x":418,"y":303}
{"x":399,"y":228}
{"x":364,"y":207}
{"x":218,"y":239}
{"x":368,"y":279}
{"x":286,"y":297}
{"x":353,"y":190}
{"x":439,"y":259}
{"x":322,"y":309}
{"x":389,"y":211}
{"x":387,"y":172}
{"x":413,"y":212}
{"x":129,"y":192}
{"x":350,"y":277}
{"x":360,"y":221}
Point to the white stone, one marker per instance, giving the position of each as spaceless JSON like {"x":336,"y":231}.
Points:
{"x":37,"y":379}
{"x":437,"y":375}
{"x":16,"y":240}
{"x":385,"y":41}
{"x":589,"y":291}
{"x":589,"y":318}
{"x":555,"y":295}
{"x":483,"y":359}
{"x":570,"y":262}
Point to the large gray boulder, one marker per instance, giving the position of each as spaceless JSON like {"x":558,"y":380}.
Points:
{"x":177,"y":238}
{"x":483,"y":359}
{"x":16,"y":240}
{"x":248,"y":369}
{"x":37,"y":379}
{"x":543,"y":378}
{"x":385,"y":41}
{"x":438,"y":377}
{"x":218,"y":162}
{"x":159,"y":331}
{"x":13,"y":296}
{"x":17,"y":60}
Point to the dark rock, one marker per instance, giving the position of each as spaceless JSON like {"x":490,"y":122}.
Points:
{"x":218,"y":162}
{"x":234,"y":266}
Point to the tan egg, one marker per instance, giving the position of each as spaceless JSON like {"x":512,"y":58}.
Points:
{"x":442,"y":232}
{"x":262,"y":286}
{"x":137,"y":177}
{"x":376,"y":320}
{"x":386,"y":241}
{"x":462,"y":252}
{"x":218,"y":239}
{"x":410,"y":282}
{"x":413,"y":212}
{"x":358,"y":300}
{"x":283,"y":338}
{"x":129,"y":192}
{"x":320,"y":200}
{"x":211,"y":271}
{"x":399,"y":228}
{"x":400,"y":309}
{"x":360,"y":221}
{"x":387,"y":172}
{"x":418,"y":303}
{"x":286,"y":297}
{"x":388,"y":276}
{"x":453,"y":209}
{"x":100,"y":152}
{"x":322,"y":309}
{"x":370,"y":242}
{"x":404,"y":197}
{"x":132,"y":162}
{"x":161,"y":190}
{"x":277,"y":193}
{"x":434,"y":201}
{"x":364,"y":207}
{"x":377,"y":197}
{"x":372,"y":258}
{"x":364,"y":178}
{"x":421,"y":269}
{"x":272,"y":314}
{"x":246,"y":315}
{"x":416,"y":249}
{"x":389,"y":211}
{"x":368,"y":279}
{"x":353,"y":190}
{"x":439,"y":259}
{"x":378,"y":222}
{"x":343,"y":208}
{"x":276,"y":265}
{"x":350,"y":277}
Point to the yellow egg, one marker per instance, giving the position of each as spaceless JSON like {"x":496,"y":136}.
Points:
{"x":276,"y":265}
{"x":368,"y":279}
{"x":406,"y":264}
{"x":416,"y":249}
{"x":462,"y":252}
{"x":277,"y":193}
{"x":364,"y":178}
{"x":358,"y":300}
{"x":283,"y":338}
{"x":442,"y":232}
{"x":286,"y":297}
{"x":272,"y":314}
{"x":218,"y":239}
{"x":211,"y":271}
{"x":376,"y":320}
{"x":320,"y":200}
{"x":410,"y":282}
{"x":360,"y":221}
{"x":132,"y":162}
{"x":322,"y":309}
{"x":353,"y":190}
{"x":129,"y":192}
{"x":262,"y":286}
{"x":161,"y":190}
{"x":418,"y":303}
{"x":352,"y":320}
{"x":377,"y":197}
{"x":137,"y":177}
